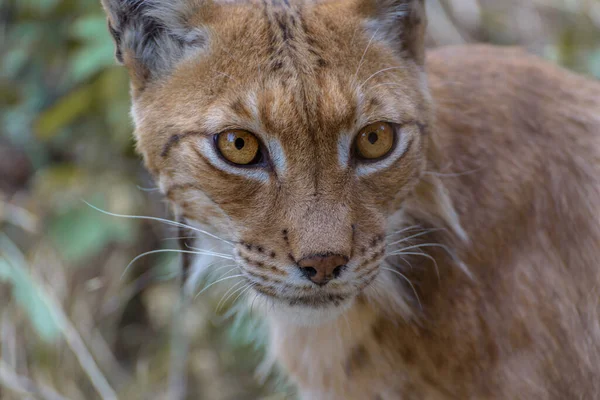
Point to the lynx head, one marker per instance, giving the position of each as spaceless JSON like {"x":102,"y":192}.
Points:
{"x":293,"y":128}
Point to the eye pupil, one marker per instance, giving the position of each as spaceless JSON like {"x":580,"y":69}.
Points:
{"x":375,"y":141}
{"x":373,"y":137}
{"x":239,"y":143}
{"x":239,"y":147}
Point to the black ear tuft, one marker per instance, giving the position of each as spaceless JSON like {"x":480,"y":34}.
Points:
{"x":152,"y":35}
{"x":402,"y":23}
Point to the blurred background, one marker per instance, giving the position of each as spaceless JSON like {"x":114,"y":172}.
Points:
{"x":72,"y":324}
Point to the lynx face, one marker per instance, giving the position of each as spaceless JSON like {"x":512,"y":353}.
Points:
{"x":295,"y":130}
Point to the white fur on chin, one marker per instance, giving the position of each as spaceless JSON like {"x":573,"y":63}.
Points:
{"x":285,"y":314}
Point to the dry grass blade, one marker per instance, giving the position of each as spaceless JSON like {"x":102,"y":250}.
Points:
{"x":69,"y":333}
{"x":23,"y":386}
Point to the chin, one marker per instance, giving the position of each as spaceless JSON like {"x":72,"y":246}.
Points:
{"x":303,"y":315}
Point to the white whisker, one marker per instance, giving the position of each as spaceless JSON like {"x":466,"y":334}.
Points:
{"x":218,"y":281}
{"x":392,"y":84}
{"x":179,"y":238}
{"x":408,"y":281}
{"x":253,"y":300}
{"x":437,"y":269}
{"x":414,"y":236}
{"x":418,"y":246}
{"x":410,"y":228}
{"x":143,"y":189}
{"x":377,"y":73}
{"x":209,"y":253}
{"x":164,"y":221}
{"x":244,"y":291}
{"x":231,"y":292}
{"x":362,"y":59}
{"x":228,"y":76}
{"x":225,"y":266}
{"x":405,"y":261}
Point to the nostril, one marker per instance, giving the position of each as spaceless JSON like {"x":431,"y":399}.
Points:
{"x":320,"y":269}
{"x":338,"y":271}
{"x":309,"y":272}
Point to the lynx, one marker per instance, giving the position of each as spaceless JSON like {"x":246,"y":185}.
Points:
{"x":417,"y":225}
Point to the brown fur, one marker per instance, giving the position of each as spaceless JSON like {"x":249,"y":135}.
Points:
{"x":505,"y":163}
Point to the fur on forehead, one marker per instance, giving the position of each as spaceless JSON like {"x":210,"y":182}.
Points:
{"x":152,"y":36}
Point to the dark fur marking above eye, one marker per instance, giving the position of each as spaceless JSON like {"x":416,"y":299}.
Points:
{"x":273,"y":254}
{"x":240,"y":109}
{"x":374,"y":102}
{"x":174,"y":140}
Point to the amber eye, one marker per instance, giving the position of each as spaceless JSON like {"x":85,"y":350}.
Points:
{"x":375,"y":140}
{"x":239,"y":147}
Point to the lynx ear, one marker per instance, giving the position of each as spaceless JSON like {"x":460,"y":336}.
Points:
{"x":402,"y":23}
{"x":152,"y":35}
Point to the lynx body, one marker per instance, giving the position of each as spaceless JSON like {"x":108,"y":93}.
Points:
{"x":418,"y":226}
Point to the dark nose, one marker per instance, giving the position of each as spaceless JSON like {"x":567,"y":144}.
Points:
{"x":322,"y":268}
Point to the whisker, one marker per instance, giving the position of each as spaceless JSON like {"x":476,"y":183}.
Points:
{"x":208,"y":253}
{"x":377,"y":73}
{"x":218,"y":281}
{"x":405,"y":261}
{"x":418,"y":246}
{"x":414,"y":236}
{"x":228,"y":76}
{"x":225,"y":266}
{"x":437,"y":269}
{"x":143,"y":189}
{"x":244,"y":291}
{"x":162,"y":220}
{"x":253,"y":300}
{"x":179,"y":238}
{"x":231,"y":292}
{"x":410,"y":228}
{"x":392,"y":84}
{"x":362,"y":59}
{"x":198,"y":274}
{"x":408,"y":281}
